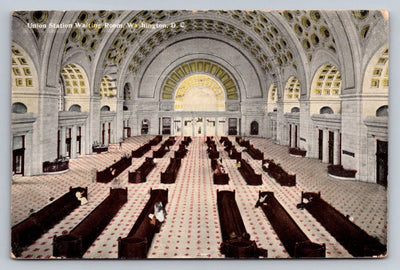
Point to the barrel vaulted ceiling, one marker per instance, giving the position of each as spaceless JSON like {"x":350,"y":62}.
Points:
{"x":275,"y":40}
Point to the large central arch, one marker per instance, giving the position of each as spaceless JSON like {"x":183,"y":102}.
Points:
{"x":216,"y":75}
{"x":199,"y":92}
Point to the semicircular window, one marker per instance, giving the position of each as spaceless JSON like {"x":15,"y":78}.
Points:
{"x":19,"y":107}
{"x":105,"y":108}
{"x":75,"y":108}
{"x":326,"y":110}
{"x":295,"y":110}
{"x":382,"y":111}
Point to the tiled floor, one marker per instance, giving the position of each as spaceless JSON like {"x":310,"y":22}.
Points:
{"x":191,"y":229}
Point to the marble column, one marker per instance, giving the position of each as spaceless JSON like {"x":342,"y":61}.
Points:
{"x":336,"y":147}
{"x":291,"y":143}
{"x":83,"y":140}
{"x":216,"y":126}
{"x":193,"y":124}
{"x":182,"y":120}
{"x":73,"y":141}
{"x":63,"y":146}
{"x":325,"y":146}
{"x":204,"y":126}
{"x":107,"y":136}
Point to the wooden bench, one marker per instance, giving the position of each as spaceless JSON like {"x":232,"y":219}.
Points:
{"x":141,"y":150}
{"x":140,"y":175}
{"x":211,"y":148}
{"x":170,"y":174}
{"x":233,"y":153}
{"x":225,"y":141}
{"x":57,"y":165}
{"x":156,"y":140}
{"x":213,"y":154}
{"x":138,"y":241}
{"x":255,"y":153}
{"x":77,"y":242}
{"x":32,"y":228}
{"x":354,"y":239}
{"x":99,"y":149}
{"x":160,"y":152}
{"x":186,"y":140}
{"x":278,"y":173}
{"x":236,"y":241}
{"x":295,"y":241}
{"x":170,"y":141}
{"x":242,"y":142}
{"x":114,"y":170}
{"x":248,"y":173}
{"x":220,"y":177}
{"x":182,"y":151}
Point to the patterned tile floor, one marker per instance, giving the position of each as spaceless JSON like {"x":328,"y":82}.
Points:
{"x":191,"y":229}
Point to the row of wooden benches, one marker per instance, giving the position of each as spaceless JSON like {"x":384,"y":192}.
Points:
{"x":236,"y":240}
{"x":109,"y":173}
{"x":268,"y":165}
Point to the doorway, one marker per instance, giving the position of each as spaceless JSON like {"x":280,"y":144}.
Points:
{"x":254,"y":128}
{"x":320,"y":141}
{"x":330,"y":146}
{"x":198,"y":126}
{"x":381,"y":162}
{"x":145,"y":127}
{"x":18,"y":155}
{"x":210,"y":127}
{"x":232,"y":126}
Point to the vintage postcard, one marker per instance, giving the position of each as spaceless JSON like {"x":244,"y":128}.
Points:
{"x":199,"y":134}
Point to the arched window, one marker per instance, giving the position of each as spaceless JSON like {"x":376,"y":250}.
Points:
{"x":125,"y":108}
{"x":75,"y":108}
{"x":19,"y":107}
{"x":326,"y":110}
{"x":254,"y":128}
{"x":327,"y":82}
{"x":292,"y":89}
{"x":75,"y":80}
{"x":382,"y":111}
{"x":291,"y":94}
{"x":380,"y":72}
{"x":199,"y":92}
{"x":108,"y":87}
{"x":295,"y":110}
{"x":105,"y":108}
{"x":23,"y":71}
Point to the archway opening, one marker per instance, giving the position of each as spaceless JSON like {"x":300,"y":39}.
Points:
{"x":105,"y":108}
{"x":199,"y":92}
{"x":19,"y":107}
{"x":326,"y":110}
{"x":76,"y":87}
{"x":254,"y":128}
{"x":326,"y":89}
{"x":292,"y":94}
{"x":382,"y":111}
{"x":75,"y":108}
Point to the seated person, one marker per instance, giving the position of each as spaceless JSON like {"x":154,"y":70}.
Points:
{"x":159,"y":214}
{"x":80,"y":198}
{"x":238,"y":164}
{"x":265,"y":165}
